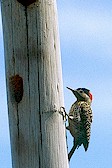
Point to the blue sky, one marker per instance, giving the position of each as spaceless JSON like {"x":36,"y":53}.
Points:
{"x":86,"y":49}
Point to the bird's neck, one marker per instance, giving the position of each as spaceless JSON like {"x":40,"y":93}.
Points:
{"x":86,"y":101}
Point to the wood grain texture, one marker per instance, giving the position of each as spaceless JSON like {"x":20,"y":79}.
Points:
{"x":32,"y":51}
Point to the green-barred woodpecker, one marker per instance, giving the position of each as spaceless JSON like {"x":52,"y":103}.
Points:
{"x":80,"y":119}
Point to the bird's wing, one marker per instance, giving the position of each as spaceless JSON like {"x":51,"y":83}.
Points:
{"x":86,"y":120}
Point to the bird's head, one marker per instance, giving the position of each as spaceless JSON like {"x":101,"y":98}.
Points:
{"x":82,"y":94}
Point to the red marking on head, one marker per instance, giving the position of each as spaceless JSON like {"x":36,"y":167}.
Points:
{"x":90,"y":95}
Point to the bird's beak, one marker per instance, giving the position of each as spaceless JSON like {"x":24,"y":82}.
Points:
{"x":73,"y":91}
{"x":70,"y":89}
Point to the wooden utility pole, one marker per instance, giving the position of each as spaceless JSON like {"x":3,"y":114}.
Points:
{"x":34,"y":84}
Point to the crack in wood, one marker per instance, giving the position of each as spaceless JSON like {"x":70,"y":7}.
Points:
{"x":40,"y":119}
{"x":18,"y":132}
{"x":26,"y":2}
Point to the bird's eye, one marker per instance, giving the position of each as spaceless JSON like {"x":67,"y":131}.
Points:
{"x":81,"y":91}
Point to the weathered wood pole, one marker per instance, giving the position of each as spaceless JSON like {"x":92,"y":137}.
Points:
{"x":34,"y":84}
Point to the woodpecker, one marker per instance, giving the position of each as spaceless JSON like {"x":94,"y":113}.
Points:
{"x":80,"y":119}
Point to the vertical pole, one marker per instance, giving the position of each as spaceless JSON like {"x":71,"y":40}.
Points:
{"x":34,"y":84}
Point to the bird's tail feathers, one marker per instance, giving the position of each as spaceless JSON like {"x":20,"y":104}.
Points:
{"x":86,"y":144}
{"x":71,"y":152}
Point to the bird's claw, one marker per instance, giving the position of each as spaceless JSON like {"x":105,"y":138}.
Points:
{"x":63,"y":113}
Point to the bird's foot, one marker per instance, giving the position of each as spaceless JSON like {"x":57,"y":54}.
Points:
{"x":63,"y":113}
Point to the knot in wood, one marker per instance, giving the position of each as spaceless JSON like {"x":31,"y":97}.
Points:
{"x":16,"y":84}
